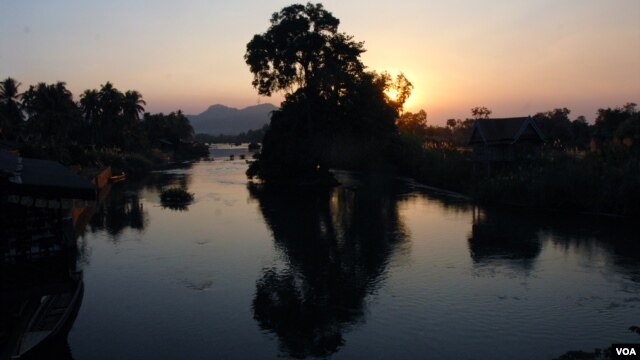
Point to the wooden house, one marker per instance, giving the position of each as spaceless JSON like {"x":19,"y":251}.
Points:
{"x":505,"y":140}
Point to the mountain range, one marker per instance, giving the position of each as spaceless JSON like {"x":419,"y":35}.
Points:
{"x":220,"y":119}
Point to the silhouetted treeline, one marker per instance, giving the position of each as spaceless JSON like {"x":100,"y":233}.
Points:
{"x":335,"y":114}
{"x":104,"y":126}
{"x":560,"y":132}
{"x":251,"y":136}
{"x":583,"y":167}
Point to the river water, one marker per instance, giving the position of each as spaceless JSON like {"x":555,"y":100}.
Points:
{"x":375,"y":268}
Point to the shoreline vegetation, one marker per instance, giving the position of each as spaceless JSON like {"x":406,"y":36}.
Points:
{"x":104,"y":128}
{"x":597,"y":176}
{"x":336,"y":114}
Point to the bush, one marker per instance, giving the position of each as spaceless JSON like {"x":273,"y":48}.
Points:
{"x":176,"y":195}
{"x":176,"y":198}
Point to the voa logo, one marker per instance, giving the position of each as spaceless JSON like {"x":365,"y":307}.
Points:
{"x":625,"y":351}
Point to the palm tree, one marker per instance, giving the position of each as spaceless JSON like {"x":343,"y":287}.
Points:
{"x":11,"y":118}
{"x":131,"y":131}
{"x":52,"y":111}
{"x":90,"y":107}
{"x":132,"y":105}
{"x":9,"y":90}
{"x":110,"y":100}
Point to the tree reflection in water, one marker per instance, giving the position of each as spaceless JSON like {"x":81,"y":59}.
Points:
{"x":123,"y":208}
{"x":515,"y":239}
{"x":337,"y":244}
{"x":616,"y":238}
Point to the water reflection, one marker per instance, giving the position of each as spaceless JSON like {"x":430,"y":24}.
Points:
{"x":503,"y":239}
{"x":616,"y":239}
{"x":123,"y":208}
{"x":178,"y":175}
{"x":516,"y":238}
{"x":176,"y":206}
{"x":362,"y":269}
{"x":336,"y":245}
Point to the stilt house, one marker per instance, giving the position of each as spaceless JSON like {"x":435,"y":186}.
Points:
{"x":505,"y":140}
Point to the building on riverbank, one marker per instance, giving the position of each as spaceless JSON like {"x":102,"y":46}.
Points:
{"x":36,"y":202}
{"x":505,"y":140}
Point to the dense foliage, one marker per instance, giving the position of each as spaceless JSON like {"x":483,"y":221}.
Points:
{"x":103,"y":128}
{"x":335,"y":113}
{"x":11,"y":117}
{"x":592,"y":168}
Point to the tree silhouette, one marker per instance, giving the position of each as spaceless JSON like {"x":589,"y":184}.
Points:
{"x":413,"y":124}
{"x":132,"y":105}
{"x":91,"y":111}
{"x":52,"y":112}
{"x":110,"y":100}
{"x":581,"y":132}
{"x":172,"y":127}
{"x":480,"y":112}
{"x":621,"y":123}
{"x":334,"y":112}
{"x":556,"y":127}
{"x":114,"y":116}
{"x":301,"y":49}
{"x":11,"y":118}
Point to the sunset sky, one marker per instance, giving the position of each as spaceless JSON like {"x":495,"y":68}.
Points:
{"x":515,"y":57}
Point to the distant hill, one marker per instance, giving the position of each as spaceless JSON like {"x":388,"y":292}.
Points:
{"x":220,"y":119}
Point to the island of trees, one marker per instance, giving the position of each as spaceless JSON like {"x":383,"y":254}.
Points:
{"x":336,"y":114}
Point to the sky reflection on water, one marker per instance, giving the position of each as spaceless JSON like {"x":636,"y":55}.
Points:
{"x":374,"y":268}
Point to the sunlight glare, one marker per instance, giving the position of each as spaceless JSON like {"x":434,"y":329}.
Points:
{"x":392,"y":94}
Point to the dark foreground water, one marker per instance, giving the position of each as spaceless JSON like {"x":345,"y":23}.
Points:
{"x":372,"y":269}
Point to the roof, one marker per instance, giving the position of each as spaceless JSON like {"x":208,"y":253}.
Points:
{"x":43,"y":178}
{"x":504,"y":131}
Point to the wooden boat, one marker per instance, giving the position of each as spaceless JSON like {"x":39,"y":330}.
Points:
{"x":54,"y":316}
{"x":117,"y":178}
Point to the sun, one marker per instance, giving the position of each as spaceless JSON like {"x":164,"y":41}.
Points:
{"x":392,"y":94}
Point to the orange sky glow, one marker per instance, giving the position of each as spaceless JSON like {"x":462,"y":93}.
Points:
{"x":514,"y":57}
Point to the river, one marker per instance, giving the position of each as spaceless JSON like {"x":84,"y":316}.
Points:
{"x":375,"y":268}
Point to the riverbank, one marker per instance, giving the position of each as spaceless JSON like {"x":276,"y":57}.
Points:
{"x":81,"y":158}
{"x":357,"y":250}
{"x":602,"y":183}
